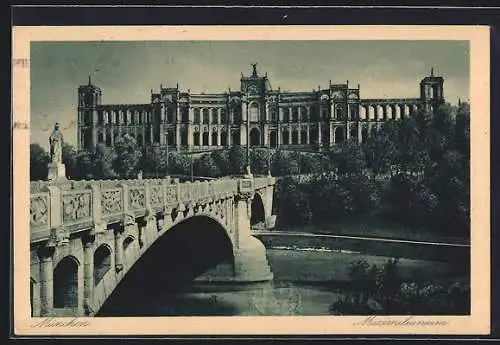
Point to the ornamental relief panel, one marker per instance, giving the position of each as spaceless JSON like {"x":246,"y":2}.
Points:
{"x":39,"y":210}
{"x":76,"y":206}
{"x":111,"y":202}
{"x":156,"y":195}
{"x":136,"y":198}
{"x":171,"y":194}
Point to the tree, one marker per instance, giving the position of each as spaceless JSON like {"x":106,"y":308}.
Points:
{"x":39,"y":161}
{"x":379,"y":152}
{"x":259,"y":161}
{"x":154,"y":161}
{"x":223,"y":162}
{"x":84,"y":166}
{"x":237,"y":159}
{"x":462,"y":129}
{"x":102,"y":162}
{"x":205,"y":166}
{"x":128,"y":156}
{"x":350,"y":160}
{"x":179,"y":164}
{"x":69,"y":156}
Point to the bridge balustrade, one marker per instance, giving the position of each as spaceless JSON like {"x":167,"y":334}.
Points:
{"x":73,"y":206}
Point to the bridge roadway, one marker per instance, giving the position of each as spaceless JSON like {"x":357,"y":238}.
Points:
{"x":86,"y":235}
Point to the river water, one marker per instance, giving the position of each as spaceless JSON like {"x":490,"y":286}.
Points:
{"x":302,"y":286}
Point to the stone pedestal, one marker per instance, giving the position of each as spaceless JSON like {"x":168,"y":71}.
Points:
{"x":56,"y":171}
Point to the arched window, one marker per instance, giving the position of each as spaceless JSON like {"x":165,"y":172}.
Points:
{"x":295,"y":137}
{"x":235,"y":137}
{"x":254,"y":137}
{"x":223,"y":138}
{"x":253,"y":112}
{"x":105,"y":119}
{"x":214,"y":139}
{"x":339,"y":112}
{"x":273,"y":139}
{"x":129,"y":117}
{"x":196,"y":138}
{"x":205,"y":138}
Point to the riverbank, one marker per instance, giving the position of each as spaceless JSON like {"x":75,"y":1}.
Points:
{"x":375,"y":225}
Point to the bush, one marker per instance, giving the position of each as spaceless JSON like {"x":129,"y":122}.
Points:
{"x":379,"y":290}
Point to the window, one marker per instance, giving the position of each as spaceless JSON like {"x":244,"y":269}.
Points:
{"x":253,"y":112}
{"x":206,"y":117}
{"x":196,"y":113}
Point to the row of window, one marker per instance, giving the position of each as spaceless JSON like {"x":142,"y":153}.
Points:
{"x":207,"y":116}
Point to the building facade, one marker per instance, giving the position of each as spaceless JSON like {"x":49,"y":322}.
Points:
{"x":255,"y":116}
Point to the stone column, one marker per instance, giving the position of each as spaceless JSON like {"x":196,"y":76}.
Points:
{"x":332,"y":134}
{"x":289,"y":135}
{"x":46,"y":281}
{"x":308,"y":141}
{"x":118,"y":250}
{"x":266,"y":134}
{"x":88,"y":274}
{"x":320,"y":134}
{"x":278,"y":136}
{"x":299,"y":134}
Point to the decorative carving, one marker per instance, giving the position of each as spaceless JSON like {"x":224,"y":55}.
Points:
{"x":137,"y":198}
{"x":171,"y":194}
{"x":324,"y":97}
{"x":128,"y":219}
{"x":58,"y":236}
{"x":156,"y":195}
{"x":39,"y":211}
{"x":76,"y":206}
{"x":111,"y":201}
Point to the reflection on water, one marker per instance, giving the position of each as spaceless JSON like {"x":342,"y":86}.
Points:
{"x":272,"y":298}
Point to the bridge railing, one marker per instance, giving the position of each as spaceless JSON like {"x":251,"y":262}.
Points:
{"x":71,"y":206}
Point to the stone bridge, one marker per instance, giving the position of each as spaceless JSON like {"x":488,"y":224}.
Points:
{"x":86,"y":235}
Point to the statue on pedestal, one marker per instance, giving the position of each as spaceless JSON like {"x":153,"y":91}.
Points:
{"x":57,"y":169}
{"x":56,"y":143}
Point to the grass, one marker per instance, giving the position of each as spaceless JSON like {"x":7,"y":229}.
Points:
{"x":373,"y":225}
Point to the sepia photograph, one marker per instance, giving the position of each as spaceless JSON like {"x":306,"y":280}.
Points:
{"x":194,"y":176}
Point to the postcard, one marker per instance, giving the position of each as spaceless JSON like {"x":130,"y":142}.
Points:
{"x":251,"y":180}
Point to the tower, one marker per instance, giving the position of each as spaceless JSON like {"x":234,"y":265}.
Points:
{"x":431,"y":90}
{"x":89,"y":98}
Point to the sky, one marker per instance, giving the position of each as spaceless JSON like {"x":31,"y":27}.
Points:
{"x":127,"y":71}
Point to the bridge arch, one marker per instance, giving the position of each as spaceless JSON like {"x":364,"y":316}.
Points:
{"x":102,"y":262}
{"x":257,"y":210}
{"x":187,"y":250}
{"x":66,"y":283}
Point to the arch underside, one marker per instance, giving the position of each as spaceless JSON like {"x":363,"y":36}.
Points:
{"x":182,"y":252}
